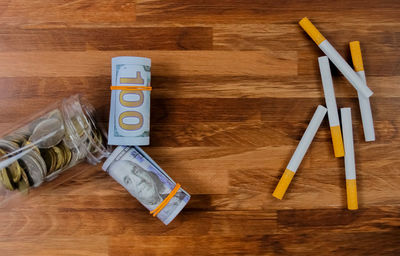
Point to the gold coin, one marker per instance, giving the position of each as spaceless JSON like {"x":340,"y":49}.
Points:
{"x":1,"y":176}
{"x":53,"y":158}
{"x":23,"y":186}
{"x":59,"y":157}
{"x":24,"y":176}
{"x":66,"y":153}
{"x":15,"y":171}
{"x":14,"y":168}
{"x":69,"y":156}
{"x":48,"y":159}
{"x":5,"y":179}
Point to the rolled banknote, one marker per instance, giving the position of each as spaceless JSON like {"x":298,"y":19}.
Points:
{"x":130,"y":102}
{"x":147,"y":182}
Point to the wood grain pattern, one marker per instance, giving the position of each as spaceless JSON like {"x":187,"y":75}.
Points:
{"x":63,"y":13}
{"x":234,"y":85}
{"x":104,"y":39}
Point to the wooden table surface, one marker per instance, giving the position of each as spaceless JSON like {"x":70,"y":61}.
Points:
{"x":234,"y":86}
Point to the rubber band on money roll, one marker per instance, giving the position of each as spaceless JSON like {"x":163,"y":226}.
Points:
{"x":131,"y":88}
{"x":161,"y":206}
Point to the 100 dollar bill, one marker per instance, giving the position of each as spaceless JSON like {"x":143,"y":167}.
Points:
{"x":130,"y":109}
{"x":146,"y":181}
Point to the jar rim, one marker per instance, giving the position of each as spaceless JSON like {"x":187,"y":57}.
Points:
{"x":79,"y":105}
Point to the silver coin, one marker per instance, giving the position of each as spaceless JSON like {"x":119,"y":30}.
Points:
{"x":24,"y":131}
{"x":33,"y":168}
{"x":40,"y":160}
{"x":74,"y":157}
{"x":16,"y":137}
{"x":13,"y":147}
{"x":48,"y":133}
{"x":9,"y":146}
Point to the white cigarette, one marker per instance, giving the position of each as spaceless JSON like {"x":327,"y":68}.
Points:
{"x":335,"y":57}
{"x":365,"y":106}
{"x":349,"y":162}
{"x":301,"y":150}
{"x":330,"y":100}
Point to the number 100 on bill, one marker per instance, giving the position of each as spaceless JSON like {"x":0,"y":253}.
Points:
{"x":130,"y":101}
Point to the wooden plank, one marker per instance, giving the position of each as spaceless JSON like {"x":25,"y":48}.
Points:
{"x":105,"y":39}
{"x":378,"y":60}
{"x":197,"y":86}
{"x":76,"y":222}
{"x":95,"y":63}
{"x":229,"y":11}
{"x":64,"y":13}
{"x":54,"y":245}
{"x":372,"y":219}
{"x":301,"y":243}
{"x":114,"y":222}
{"x":377,"y":53}
{"x":256,"y":134}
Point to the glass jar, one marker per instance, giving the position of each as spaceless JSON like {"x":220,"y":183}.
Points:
{"x":57,"y":138}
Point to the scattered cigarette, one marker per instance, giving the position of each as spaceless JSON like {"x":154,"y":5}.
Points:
{"x":301,"y":150}
{"x":335,"y":57}
{"x":330,"y":100}
{"x":349,"y":163}
{"x":365,"y":106}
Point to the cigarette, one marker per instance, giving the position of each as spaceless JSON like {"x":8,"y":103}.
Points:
{"x":365,"y":106}
{"x":349,"y":163}
{"x":335,"y":57}
{"x":330,"y":101}
{"x":301,"y":150}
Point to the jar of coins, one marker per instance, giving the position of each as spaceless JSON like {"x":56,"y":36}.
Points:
{"x":54,"y":140}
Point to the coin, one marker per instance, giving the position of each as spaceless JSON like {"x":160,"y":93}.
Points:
{"x":49,"y":159}
{"x":66,"y":153}
{"x":69,"y":138}
{"x":8,"y":146}
{"x":24,"y":176}
{"x":59,"y":157}
{"x":15,"y":171}
{"x":23,"y":186}
{"x":48,"y":133}
{"x":14,"y":168}
{"x":31,"y":162}
{"x":16,"y":138}
{"x":40,"y":160}
{"x":29,"y":144}
{"x":24,"y":131}
{"x":5,"y":179}
{"x":78,"y":127}
{"x":33,"y":169}
{"x":74,"y":156}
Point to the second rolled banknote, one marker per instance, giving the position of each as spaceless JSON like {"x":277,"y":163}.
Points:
{"x":129,"y":122}
{"x":147,"y":182}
